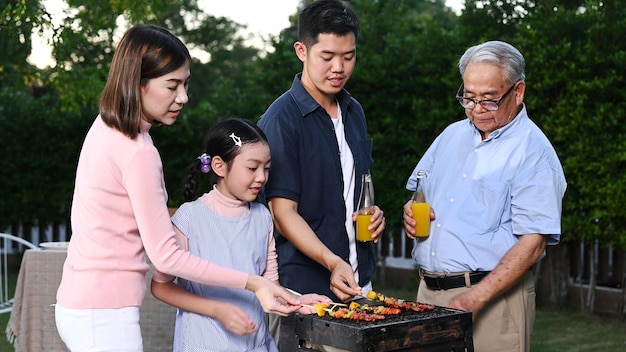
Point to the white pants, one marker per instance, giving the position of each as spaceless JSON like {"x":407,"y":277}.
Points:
{"x":99,"y":330}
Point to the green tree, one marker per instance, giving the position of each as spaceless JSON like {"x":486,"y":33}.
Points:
{"x":406,"y":79}
{"x":576,"y":81}
{"x":17,"y":21}
{"x":404,"y":71}
{"x":51,"y":109}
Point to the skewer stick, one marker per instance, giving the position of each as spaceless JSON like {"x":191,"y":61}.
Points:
{"x":313,"y":307}
{"x":318,"y":311}
{"x":321,"y":308}
{"x":332,"y":304}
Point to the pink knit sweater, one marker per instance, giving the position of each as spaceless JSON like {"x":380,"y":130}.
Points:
{"x":119,"y":214}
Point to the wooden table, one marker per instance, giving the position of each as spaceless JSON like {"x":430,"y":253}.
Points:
{"x":32,"y":317}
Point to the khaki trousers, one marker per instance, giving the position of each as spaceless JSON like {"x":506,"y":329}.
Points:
{"x":505,"y":324}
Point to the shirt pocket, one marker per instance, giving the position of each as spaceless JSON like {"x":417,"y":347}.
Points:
{"x":491,"y":199}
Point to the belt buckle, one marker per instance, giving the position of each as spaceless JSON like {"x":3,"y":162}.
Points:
{"x":435,"y":280}
{"x":439,"y":280}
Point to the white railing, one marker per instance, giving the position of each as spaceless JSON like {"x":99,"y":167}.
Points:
{"x":38,"y":234}
{"x":402,"y":260}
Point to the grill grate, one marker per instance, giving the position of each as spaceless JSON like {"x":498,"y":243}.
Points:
{"x":441,"y":329}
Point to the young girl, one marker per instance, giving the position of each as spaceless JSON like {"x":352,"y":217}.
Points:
{"x":119,"y":211}
{"x":228,"y":228}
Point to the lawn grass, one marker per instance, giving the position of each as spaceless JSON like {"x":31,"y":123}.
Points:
{"x":556,"y":330}
{"x":5,"y":346}
{"x":559,"y":330}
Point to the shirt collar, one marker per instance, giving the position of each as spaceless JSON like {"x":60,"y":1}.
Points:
{"x":224,"y":206}
{"x":220,"y":198}
{"x":144,"y":126}
{"x":305,"y":101}
{"x":509,"y":128}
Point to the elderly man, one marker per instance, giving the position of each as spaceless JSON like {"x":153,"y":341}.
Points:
{"x":495,"y":185}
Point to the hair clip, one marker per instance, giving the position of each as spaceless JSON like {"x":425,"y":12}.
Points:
{"x":205,"y":160}
{"x":236,"y":139}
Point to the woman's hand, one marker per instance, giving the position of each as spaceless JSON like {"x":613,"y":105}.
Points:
{"x":273,"y":298}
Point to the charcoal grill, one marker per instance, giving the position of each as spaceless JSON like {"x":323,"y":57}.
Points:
{"x":441,"y":329}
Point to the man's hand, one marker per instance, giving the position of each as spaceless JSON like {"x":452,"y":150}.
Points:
{"x":509,"y":271}
{"x":378,"y":223}
{"x":342,"y":282}
{"x":409,"y":222}
{"x":471,"y":301}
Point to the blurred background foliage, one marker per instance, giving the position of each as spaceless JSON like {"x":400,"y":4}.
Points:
{"x":405,"y":78}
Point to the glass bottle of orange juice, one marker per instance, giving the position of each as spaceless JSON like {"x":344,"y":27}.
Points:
{"x":420,"y":208}
{"x":365,"y":209}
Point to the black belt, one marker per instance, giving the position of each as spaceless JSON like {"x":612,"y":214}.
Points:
{"x":436,"y":282}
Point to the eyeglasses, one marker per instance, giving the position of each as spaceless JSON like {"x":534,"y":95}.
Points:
{"x":487,"y":104}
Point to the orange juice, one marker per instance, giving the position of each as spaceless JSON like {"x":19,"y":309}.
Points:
{"x":421,"y":215}
{"x":362,"y":222}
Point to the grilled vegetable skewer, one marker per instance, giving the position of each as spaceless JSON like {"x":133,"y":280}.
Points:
{"x":382,"y":310}
{"x":322,"y":308}
{"x":398,"y":303}
{"x":344,"y":313}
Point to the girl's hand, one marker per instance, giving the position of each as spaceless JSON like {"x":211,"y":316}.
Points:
{"x":234,"y":319}
{"x":309,"y":300}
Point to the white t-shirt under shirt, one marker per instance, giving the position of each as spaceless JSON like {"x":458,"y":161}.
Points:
{"x":347,"y":168}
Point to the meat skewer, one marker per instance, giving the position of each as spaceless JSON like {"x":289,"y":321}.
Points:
{"x":344,"y":313}
{"x":357,"y":315}
{"x":398,"y":303}
{"x":382,"y":310}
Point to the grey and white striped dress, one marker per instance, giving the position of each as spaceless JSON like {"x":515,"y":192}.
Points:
{"x":237,"y":243}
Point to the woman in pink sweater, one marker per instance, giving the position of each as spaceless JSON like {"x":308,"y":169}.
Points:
{"x":119,"y":210}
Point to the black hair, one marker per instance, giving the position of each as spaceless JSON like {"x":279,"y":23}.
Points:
{"x":326,"y":16}
{"x":225,"y":140}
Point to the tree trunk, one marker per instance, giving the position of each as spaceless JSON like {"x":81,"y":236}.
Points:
{"x":579,"y":276}
{"x":591,"y":294}
{"x":624,"y":289}
{"x":552,"y":276}
{"x":560,"y":274}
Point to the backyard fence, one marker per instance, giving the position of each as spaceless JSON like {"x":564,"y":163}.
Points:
{"x":36,"y":234}
{"x":395,"y":265}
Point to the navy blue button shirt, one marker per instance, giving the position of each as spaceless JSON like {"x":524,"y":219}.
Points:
{"x":306,"y":169}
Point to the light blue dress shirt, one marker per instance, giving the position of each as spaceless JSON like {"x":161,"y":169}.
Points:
{"x":487,"y":193}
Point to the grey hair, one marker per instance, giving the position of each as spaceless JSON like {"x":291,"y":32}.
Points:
{"x":497,"y":53}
